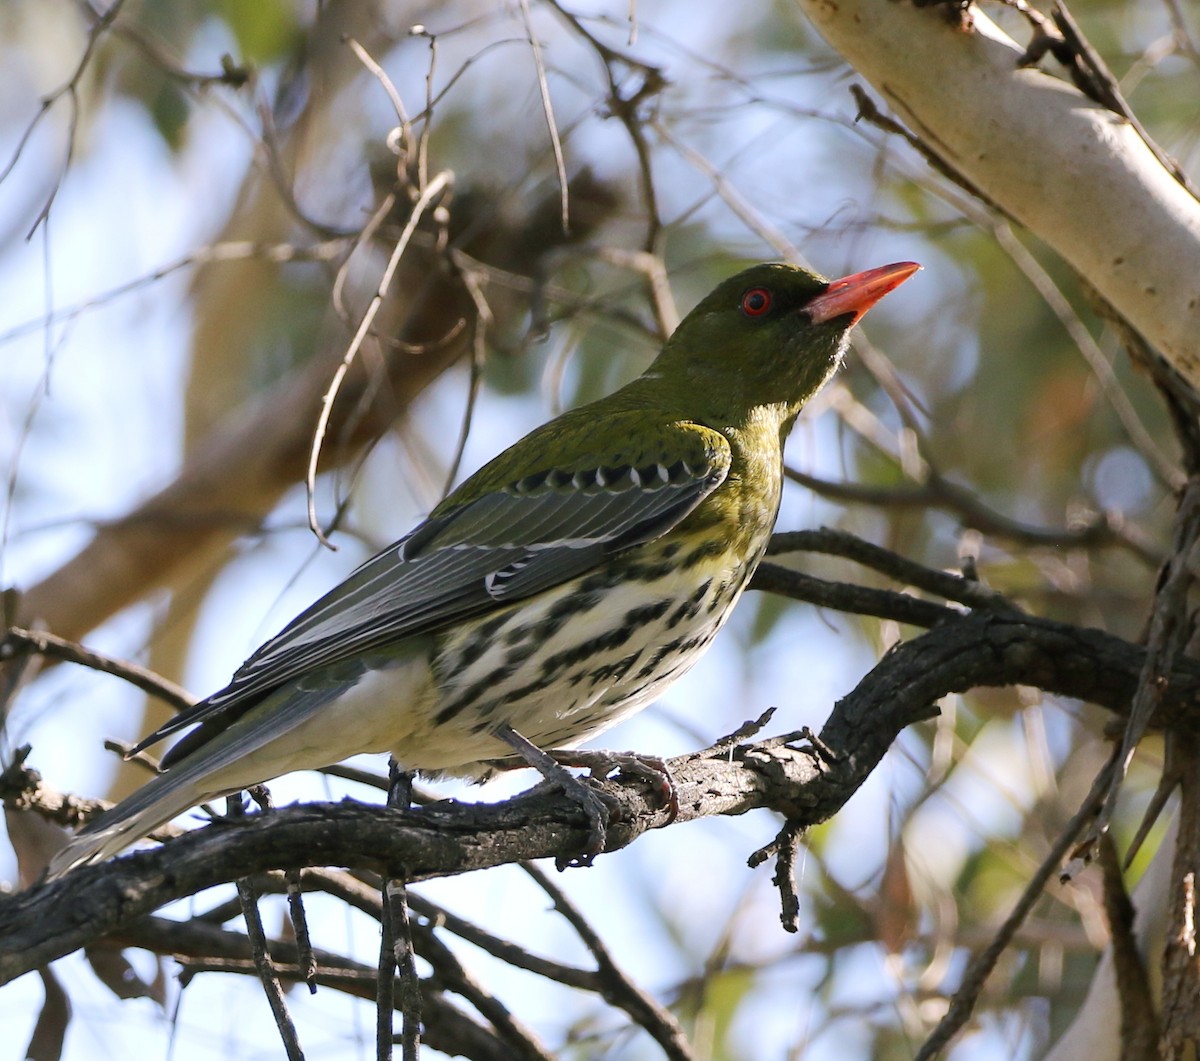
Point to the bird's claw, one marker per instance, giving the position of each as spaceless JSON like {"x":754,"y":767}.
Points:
{"x":596,"y":806}
{"x":600,"y":764}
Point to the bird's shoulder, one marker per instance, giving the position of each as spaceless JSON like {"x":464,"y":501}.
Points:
{"x":599,"y":447}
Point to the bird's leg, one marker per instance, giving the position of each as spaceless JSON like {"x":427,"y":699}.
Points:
{"x":647,"y":767}
{"x":588,"y":798}
{"x":400,"y":786}
{"x":396,"y":946}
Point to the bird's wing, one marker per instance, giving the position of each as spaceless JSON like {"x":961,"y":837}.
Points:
{"x":502,"y":545}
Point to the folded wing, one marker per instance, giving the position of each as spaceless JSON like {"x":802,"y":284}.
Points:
{"x":468,"y":559}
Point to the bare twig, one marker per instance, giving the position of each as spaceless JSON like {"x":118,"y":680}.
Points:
{"x":560,"y":165}
{"x":652,"y":267}
{"x":627,"y":109}
{"x":225,"y":251}
{"x":521,"y":1043}
{"x":963,"y":1002}
{"x":1169,"y":632}
{"x":846,"y":596}
{"x":1165,"y":469}
{"x":262,"y":959}
{"x":304,"y":948}
{"x":506,"y":951}
{"x":1103,"y":529}
{"x":17,"y":642}
{"x":842,"y":543}
{"x":104,"y":21}
{"x":1092,"y":76}
{"x":771,"y":235}
{"x":784,"y":847}
{"x":483,"y":320}
{"x":615,"y":985}
{"x":393,"y":93}
{"x":428,"y":196}
{"x":396,"y":946}
{"x":1139,"y":1022}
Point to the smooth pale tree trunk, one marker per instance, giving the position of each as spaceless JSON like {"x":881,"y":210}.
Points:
{"x":1082,"y":180}
{"x":1078,"y":176}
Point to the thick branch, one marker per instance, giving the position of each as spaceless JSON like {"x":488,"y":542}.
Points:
{"x":449,"y":838}
{"x":1077,"y":175}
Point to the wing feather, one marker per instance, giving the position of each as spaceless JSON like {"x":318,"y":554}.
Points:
{"x":500,"y":546}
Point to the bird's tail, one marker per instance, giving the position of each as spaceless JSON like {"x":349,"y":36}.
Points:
{"x":152,"y":805}
{"x":268,"y":741}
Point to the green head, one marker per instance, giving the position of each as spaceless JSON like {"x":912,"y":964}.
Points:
{"x":769,"y":336}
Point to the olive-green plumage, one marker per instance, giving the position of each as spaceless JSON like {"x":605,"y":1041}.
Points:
{"x":561,"y":587}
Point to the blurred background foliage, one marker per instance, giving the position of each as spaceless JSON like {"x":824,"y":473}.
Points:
{"x":697,"y":140}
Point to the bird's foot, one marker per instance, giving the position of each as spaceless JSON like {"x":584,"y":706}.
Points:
{"x":594,"y":804}
{"x":600,"y":764}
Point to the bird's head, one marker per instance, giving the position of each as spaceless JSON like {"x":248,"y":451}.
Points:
{"x":769,"y":336}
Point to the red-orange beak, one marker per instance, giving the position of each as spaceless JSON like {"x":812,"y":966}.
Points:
{"x":858,"y":293}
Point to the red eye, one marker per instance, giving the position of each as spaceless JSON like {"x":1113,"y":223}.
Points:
{"x":756,"y":302}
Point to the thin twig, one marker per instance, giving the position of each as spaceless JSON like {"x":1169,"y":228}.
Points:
{"x":1103,"y":529}
{"x":506,"y":951}
{"x":396,"y":947}
{"x":1139,"y":1021}
{"x":262,"y":959}
{"x":618,"y":988}
{"x":389,"y":87}
{"x":1099,"y":83}
{"x":770,"y":234}
{"x":337,"y":293}
{"x":963,"y":1003}
{"x":1165,"y":469}
{"x":654,"y":269}
{"x":385,"y":982}
{"x":104,"y":21}
{"x":848,"y":597}
{"x":18,"y":642}
{"x":434,"y":189}
{"x":225,"y":251}
{"x":560,"y":165}
{"x":355,"y":892}
{"x":842,"y":543}
{"x":483,"y":319}
{"x":627,"y":109}
{"x":427,"y":114}
{"x":520,"y":1041}
{"x":785,"y":848}
{"x":304,"y":948}
{"x":1170,"y":628}
{"x":1180,"y":33}
{"x":743,"y":733}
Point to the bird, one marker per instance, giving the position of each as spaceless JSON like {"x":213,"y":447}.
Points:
{"x":560,"y":588}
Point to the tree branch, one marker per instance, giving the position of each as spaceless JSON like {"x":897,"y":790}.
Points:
{"x":1076,"y":174}
{"x":236,"y":475}
{"x":979,"y":649}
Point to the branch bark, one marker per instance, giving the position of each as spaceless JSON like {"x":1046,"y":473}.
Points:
{"x":1077,"y":175}
{"x":50,"y":920}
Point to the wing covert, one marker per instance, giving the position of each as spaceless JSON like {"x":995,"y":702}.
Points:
{"x":498,"y":547}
